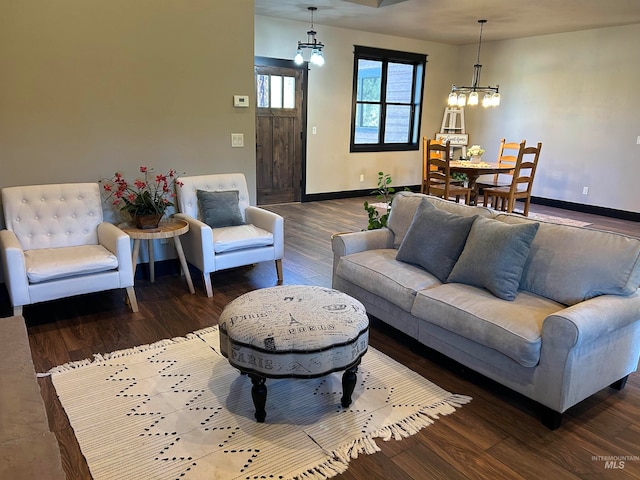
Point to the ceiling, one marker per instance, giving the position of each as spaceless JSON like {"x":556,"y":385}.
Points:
{"x":455,"y":21}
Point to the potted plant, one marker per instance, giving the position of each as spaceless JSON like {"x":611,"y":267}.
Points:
{"x":145,"y":201}
{"x":384,"y":193}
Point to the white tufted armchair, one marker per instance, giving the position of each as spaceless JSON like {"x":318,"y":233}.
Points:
{"x":212,"y":249}
{"x":57,"y":245}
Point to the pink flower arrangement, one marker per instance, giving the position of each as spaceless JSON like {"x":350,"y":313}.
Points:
{"x":143,"y":197}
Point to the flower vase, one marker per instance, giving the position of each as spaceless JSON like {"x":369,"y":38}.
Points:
{"x":476,"y":158}
{"x":147,"y":221}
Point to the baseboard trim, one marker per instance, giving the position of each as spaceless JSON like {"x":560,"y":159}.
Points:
{"x":593,"y":209}
{"x":576,"y":207}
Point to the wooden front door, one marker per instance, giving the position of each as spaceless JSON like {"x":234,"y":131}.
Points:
{"x":279,"y":134}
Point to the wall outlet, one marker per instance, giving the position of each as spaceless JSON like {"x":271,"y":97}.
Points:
{"x":362,"y":178}
{"x":638,"y":140}
{"x":585,"y":190}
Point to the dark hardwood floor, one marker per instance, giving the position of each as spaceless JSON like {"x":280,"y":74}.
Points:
{"x":497,"y":435}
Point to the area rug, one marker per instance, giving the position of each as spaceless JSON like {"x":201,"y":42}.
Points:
{"x":553,"y":219}
{"x":382,"y":207}
{"x":177,"y":410}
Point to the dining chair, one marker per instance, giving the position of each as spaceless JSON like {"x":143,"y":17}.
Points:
{"x":438,"y":173}
{"x":507,"y":155}
{"x":424,"y":161}
{"x":504,"y":198}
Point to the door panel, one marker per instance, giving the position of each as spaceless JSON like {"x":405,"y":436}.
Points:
{"x":279,"y":127}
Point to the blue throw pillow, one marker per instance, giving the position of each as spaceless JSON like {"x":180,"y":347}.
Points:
{"x":435,"y":239}
{"x":220,"y":209}
{"x":494,"y":256}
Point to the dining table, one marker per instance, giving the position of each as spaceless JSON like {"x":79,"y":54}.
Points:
{"x":473,"y":170}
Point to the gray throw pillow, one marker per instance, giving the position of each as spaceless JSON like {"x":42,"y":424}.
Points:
{"x":219,"y":209}
{"x":494,"y":256}
{"x":435,"y":239}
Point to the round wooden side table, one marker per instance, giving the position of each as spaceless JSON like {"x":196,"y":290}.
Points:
{"x":172,"y":229}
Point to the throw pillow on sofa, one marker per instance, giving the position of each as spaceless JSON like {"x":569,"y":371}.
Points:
{"x":219,"y":209}
{"x":435,"y":239}
{"x":494,"y":256}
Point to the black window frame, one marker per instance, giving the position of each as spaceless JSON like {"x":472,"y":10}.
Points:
{"x":419,"y":63}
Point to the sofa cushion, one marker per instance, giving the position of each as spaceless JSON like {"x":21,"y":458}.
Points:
{"x":494,"y":256}
{"x":512,"y":328}
{"x":220,"y":208}
{"x":435,"y":239}
{"x":570,"y":264}
{"x":404,"y":206}
{"x":378,"y":272}
{"x":50,"y":263}
{"x":239,"y":237}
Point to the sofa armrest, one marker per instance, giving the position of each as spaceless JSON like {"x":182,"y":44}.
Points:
{"x":592,"y":319}
{"x":15,"y":269}
{"x":353,"y":242}
{"x":269,"y":221}
{"x":346,"y":243}
{"x":197,"y":244}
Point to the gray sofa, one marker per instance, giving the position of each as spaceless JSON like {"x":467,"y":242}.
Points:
{"x":28,"y":449}
{"x":571,"y":328}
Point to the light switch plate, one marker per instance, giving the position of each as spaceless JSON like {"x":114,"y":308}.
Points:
{"x":237,"y":140}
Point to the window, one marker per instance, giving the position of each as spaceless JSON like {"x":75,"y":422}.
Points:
{"x":387,"y":100}
{"x":275,"y":91}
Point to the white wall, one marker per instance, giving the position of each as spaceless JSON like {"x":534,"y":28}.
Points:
{"x":330,"y":166}
{"x":577,"y":93}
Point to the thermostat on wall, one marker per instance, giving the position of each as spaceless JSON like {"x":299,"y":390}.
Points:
{"x":241,"y":100}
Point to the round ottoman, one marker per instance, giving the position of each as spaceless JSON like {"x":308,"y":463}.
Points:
{"x":294,"y":331}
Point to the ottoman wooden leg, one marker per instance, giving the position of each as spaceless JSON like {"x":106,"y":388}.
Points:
{"x":259,"y":395}
{"x":349,"y":378}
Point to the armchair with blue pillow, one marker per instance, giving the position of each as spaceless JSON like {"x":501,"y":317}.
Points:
{"x":225,"y":231}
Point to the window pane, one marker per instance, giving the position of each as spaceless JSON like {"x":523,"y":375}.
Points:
{"x":396,"y":128}
{"x":262,"y":85}
{"x":276,"y":91}
{"x":367,"y":123}
{"x":399,"y":82}
{"x":289,"y":92}
{"x":369,"y":80}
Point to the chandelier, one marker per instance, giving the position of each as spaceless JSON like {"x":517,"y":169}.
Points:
{"x":317,"y":57}
{"x":458,"y":95}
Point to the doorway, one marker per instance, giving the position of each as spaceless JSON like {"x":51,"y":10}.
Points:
{"x":280,"y":130}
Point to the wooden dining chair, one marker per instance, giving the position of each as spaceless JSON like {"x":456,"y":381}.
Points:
{"x":438,"y":174}
{"x":507,"y":155}
{"x":504,"y":198}
{"x":423,"y":187}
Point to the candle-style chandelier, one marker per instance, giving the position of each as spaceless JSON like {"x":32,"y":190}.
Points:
{"x":461,"y":96}
{"x":317,"y":57}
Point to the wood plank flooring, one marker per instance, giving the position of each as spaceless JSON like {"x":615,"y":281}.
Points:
{"x":497,"y":435}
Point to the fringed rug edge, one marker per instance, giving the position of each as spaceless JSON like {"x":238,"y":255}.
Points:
{"x":339,"y":459}
{"x":103,"y":357}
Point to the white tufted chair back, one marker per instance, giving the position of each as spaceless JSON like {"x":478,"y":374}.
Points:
{"x":187,"y":198}
{"x":55,"y":215}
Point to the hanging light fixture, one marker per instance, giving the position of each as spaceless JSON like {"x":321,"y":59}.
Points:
{"x":317,"y":57}
{"x":461,"y":96}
